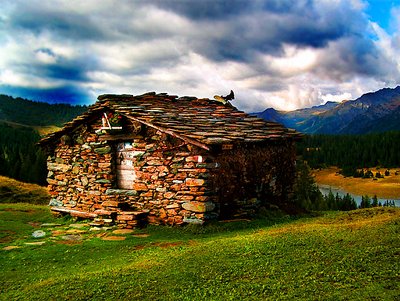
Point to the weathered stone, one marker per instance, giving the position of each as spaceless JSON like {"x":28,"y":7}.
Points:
{"x":169,"y":195}
{"x":8,"y":248}
{"x":38,"y":234}
{"x":137,"y":153}
{"x":140,"y":187}
{"x":198,"y":206}
{"x":58,"y":167}
{"x":173,"y":206}
{"x":122,"y":231}
{"x":76,"y":169}
{"x":104,"y":165}
{"x":72,"y":237}
{"x":113,"y":238}
{"x":154,"y":162}
{"x":125,"y":217}
{"x":202,"y":198}
{"x":59,"y":160}
{"x":102,"y":150}
{"x":111,"y":204}
{"x":190,"y":220}
{"x":194,"y":182}
{"x":84,"y":181}
{"x":103,"y":181}
{"x":56,"y":203}
{"x":121,"y":192}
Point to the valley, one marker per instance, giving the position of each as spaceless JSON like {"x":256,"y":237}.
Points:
{"x":385,"y":188}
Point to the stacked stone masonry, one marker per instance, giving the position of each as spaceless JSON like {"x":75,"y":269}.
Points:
{"x":175,"y":180}
{"x":172,"y":187}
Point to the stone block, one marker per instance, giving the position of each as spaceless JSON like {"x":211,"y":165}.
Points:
{"x":198,"y":206}
{"x":169,"y":195}
{"x":125,"y":217}
{"x":102,"y":150}
{"x":110,"y":204}
{"x":193,"y":221}
{"x":194,"y":182}
{"x":58,"y":167}
{"x":140,"y":187}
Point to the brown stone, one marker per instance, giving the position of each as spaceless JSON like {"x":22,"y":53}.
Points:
{"x":202,"y":198}
{"x":110,"y":204}
{"x":122,"y":231}
{"x":198,"y":206}
{"x":194,"y":182}
{"x":140,"y":187}
{"x":169,"y":195}
{"x":114,"y":238}
{"x":125,"y":217}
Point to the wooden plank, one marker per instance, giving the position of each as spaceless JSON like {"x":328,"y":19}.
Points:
{"x":125,"y":184}
{"x":170,"y":132}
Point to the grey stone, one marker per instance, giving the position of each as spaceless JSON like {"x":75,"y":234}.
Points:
{"x":58,"y":167}
{"x":121,"y":192}
{"x":38,"y":234}
{"x":193,"y":221}
{"x":103,"y":181}
{"x":56,"y":203}
{"x":72,"y":237}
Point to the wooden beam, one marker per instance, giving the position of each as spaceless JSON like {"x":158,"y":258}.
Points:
{"x":170,"y":132}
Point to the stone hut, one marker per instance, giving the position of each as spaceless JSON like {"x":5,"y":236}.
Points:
{"x":160,"y":159}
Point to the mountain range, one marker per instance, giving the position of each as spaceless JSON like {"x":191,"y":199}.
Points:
{"x":372,"y":112}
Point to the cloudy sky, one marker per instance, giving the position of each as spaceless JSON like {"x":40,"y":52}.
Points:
{"x":285,"y":54}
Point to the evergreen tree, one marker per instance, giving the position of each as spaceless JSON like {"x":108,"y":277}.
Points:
{"x":374,"y":201}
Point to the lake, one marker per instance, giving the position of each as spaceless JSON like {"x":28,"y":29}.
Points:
{"x":325,"y":191}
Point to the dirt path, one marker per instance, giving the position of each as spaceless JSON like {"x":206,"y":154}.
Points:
{"x":386,"y":188}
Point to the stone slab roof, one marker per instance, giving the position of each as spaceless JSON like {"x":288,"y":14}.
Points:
{"x":201,"y":121}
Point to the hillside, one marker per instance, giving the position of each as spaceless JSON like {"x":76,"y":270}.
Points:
{"x":372,"y":112}
{"x":338,"y":256}
{"x":27,"y":112}
{"x":12,"y":191}
{"x":22,"y":123}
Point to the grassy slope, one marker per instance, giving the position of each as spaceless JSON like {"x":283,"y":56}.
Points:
{"x":386,"y":188}
{"x":13,"y":191}
{"x":339,"y":256}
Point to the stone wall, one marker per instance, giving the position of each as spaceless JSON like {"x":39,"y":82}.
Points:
{"x":172,"y":185}
{"x":254,"y":175}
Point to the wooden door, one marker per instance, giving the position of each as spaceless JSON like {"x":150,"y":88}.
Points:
{"x":126,"y":175}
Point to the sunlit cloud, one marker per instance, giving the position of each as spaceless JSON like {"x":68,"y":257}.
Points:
{"x":284,"y":54}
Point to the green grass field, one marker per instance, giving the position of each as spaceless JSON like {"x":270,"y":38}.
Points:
{"x":337,"y":256}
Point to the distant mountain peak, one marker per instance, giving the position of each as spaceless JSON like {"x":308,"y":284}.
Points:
{"x":373,"y":111}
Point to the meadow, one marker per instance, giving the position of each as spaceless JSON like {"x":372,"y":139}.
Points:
{"x":331,"y":256}
{"x":385,"y":188}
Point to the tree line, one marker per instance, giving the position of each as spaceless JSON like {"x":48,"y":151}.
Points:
{"x":20,"y":156}
{"x":308,"y":196}
{"x":351,"y":152}
{"x":29,"y":112}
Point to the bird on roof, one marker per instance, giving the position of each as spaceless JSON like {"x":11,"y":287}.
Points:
{"x":224,"y":99}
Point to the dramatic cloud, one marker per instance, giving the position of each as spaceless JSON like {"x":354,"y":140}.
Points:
{"x":281,"y":53}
